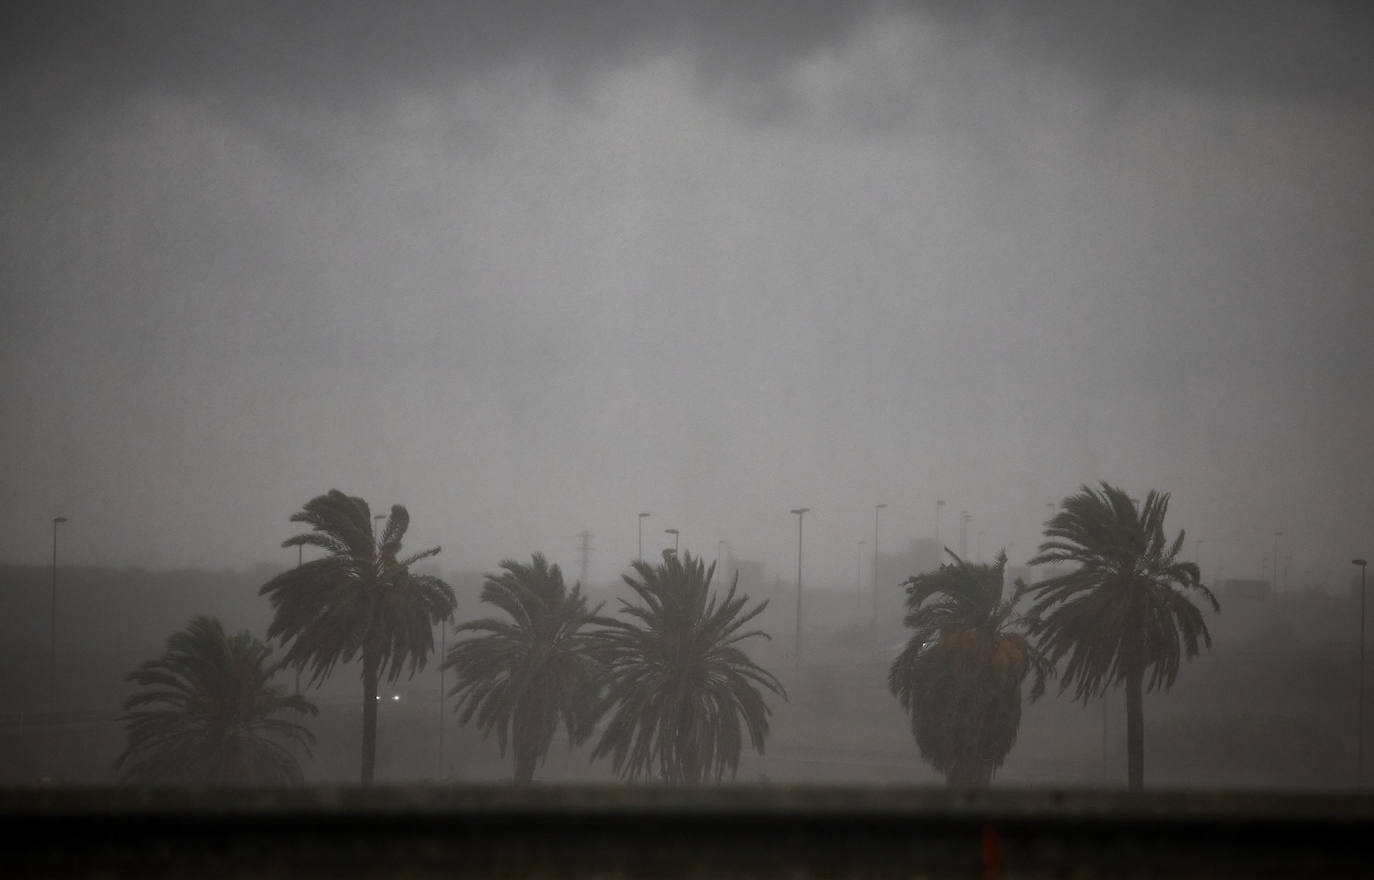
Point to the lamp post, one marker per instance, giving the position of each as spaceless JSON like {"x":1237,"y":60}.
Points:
{"x":300,"y":557}
{"x":964,"y":519}
{"x":796,"y":659}
{"x":939,"y":549}
{"x":1274,"y":570}
{"x":859,"y":574}
{"x":52,"y":625}
{"x":978,"y":545}
{"x":672,"y":532}
{"x":640,"y":555}
{"x":873,"y":623}
{"x":1359,"y":733}
{"x":1049,"y":507}
{"x":443,"y":649}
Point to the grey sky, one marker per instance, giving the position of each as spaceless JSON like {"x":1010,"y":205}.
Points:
{"x":529,"y":274}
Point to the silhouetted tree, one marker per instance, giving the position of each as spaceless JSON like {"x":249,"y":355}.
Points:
{"x":678,"y":687}
{"x":1120,"y":617}
{"x":359,"y":600}
{"x":522,"y":675}
{"x":959,"y":676}
{"x":207,"y":714}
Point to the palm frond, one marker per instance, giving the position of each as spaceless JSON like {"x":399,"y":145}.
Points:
{"x":207,"y":713}
{"x":680,"y":694}
{"x":518,"y":678}
{"x":1124,"y":605}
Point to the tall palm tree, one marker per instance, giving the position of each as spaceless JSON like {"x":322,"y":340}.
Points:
{"x":208,"y":711}
{"x":522,"y":675}
{"x":959,"y":676}
{"x":678,"y":687}
{"x":1121,"y":616}
{"x":358,"y":601}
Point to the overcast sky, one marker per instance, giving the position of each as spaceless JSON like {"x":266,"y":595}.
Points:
{"x":532,"y":268}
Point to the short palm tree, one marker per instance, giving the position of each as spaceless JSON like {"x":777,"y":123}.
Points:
{"x":208,"y":713}
{"x":523,"y":675}
{"x":959,"y":677}
{"x":1122,"y":616}
{"x":360,"y":600}
{"x":678,"y":687}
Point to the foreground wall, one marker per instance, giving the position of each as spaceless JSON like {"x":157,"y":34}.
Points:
{"x":651,"y":831}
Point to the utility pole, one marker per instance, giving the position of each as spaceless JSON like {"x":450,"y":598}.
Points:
{"x":800,"y":513}
{"x":52,"y":625}
{"x":939,"y":548}
{"x":873,"y":623}
{"x":586,"y":554}
{"x":1274,"y":571}
{"x":443,"y":650}
{"x":1359,"y":732}
{"x":859,"y":574}
{"x":300,"y":557}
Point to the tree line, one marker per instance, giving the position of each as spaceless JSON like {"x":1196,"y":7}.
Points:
{"x":663,"y":689}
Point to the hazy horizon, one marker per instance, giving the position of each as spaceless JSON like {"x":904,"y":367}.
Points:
{"x":530,"y":270}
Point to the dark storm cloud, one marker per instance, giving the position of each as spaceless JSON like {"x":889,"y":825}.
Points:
{"x":1311,"y":51}
{"x":954,"y":247}
{"x":335,"y":56}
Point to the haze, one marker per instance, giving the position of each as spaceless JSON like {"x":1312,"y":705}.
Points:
{"x":530,"y":271}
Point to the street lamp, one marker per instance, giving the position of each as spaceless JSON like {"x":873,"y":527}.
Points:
{"x":1274,"y":571}
{"x":859,"y":574}
{"x":52,"y":625}
{"x":796,"y":659}
{"x":299,"y":559}
{"x":443,"y":649}
{"x":873,"y":624}
{"x":640,"y":554}
{"x":1359,"y":737}
{"x":964,"y":519}
{"x":672,"y":532}
{"x":939,"y":550}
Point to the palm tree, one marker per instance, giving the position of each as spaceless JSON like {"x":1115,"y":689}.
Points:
{"x":678,"y":687}
{"x":358,"y":601}
{"x":1122,"y":615}
{"x":959,"y":676}
{"x":207,"y":714}
{"x":522,"y":675}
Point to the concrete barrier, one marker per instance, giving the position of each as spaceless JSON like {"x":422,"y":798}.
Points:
{"x":657,"y":831}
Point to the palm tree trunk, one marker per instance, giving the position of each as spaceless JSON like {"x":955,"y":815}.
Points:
{"x":370,"y":676}
{"x":1135,"y":728}
{"x":524,"y":767}
{"x":969,"y":774}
